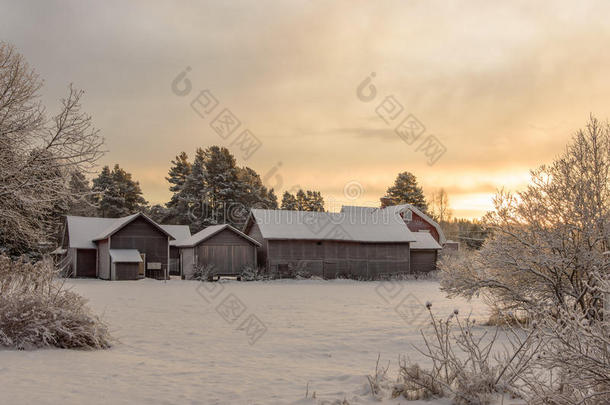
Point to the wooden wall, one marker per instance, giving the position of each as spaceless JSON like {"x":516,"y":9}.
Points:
{"x":330,"y":259}
{"x":227,"y":251}
{"x":423,"y":261}
{"x":142,"y":235}
{"x":417,"y":224}
{"x":255,"y":233}
{"x":86,"y":262}
{"x":103,"y":260}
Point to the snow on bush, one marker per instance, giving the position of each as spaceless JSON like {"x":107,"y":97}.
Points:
{"x":546,"y":261}
{"x":462,"y":365}
{"x":36,"y":311}
{"x":203,"y":272}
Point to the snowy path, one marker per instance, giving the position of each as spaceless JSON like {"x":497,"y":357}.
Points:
{"x":175,"y":348}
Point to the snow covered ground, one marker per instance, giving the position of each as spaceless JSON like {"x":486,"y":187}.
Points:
{"x":179,"y":343}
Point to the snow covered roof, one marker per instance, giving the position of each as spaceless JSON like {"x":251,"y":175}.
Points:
{"x":208,"y":233}
{"x":363,"y":226}
{"x":83,"y":231}
{"x":397,"y":210}
{"x":424,"y":240}
{"x":125,"y":256}
{"x":178,"y":232}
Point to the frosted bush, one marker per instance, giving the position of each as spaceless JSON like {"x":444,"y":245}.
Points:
{"x":36,"y":311}
{"x":250,"y":273}
{"x":203,"y":272}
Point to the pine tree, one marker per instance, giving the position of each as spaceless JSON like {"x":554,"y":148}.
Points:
{"x":406,"y":191}
{"x":301,"y":200}
{"x":222,"y":183}
{"x":289,"y":202}
{"x":315,"y":202}
{"x":117,"y":194}
{"x":193,"y":195}
{"x":178,"y":174}
{"x":81,"y":197}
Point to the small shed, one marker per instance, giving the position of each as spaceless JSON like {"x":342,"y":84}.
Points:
{"x":126,"y":264}
{"x":222,"y":246}
{"x":424,"y":252}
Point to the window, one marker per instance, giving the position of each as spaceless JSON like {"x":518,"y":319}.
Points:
{"x":407,"y":215}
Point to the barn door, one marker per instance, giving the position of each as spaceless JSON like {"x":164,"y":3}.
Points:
{"x":142,"y":266}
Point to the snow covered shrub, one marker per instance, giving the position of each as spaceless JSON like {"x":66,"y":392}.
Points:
{"x":463,"y":367}
{"x":250,"y":273}
{"x":203,"y":272}
{"x":36,"y":311}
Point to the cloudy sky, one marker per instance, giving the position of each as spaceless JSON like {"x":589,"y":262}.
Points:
{"x":501,"y":86}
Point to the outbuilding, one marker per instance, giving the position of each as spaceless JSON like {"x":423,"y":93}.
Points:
{"x":364,"y":244}
{"x":222,"y":246}
{"x":125,"y":248}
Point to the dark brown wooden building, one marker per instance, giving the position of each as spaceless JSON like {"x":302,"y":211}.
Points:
{"x":117,"y":248}
{"x":222,"y":246}
{"x":329,"y":245}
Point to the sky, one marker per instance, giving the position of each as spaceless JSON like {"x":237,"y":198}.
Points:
{"x":496,"y":88}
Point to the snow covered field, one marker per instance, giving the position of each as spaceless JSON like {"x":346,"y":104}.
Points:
{"x":174,"y":347}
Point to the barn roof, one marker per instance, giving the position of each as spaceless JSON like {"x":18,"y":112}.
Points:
{"x":397,"y":210}
{"x":403,"y":207}
{"x":374,"y":226}
{"x":83,"y":231}
{"x":424,"y":241}
{"x":210,"y":231}
{"x":178,"y":232}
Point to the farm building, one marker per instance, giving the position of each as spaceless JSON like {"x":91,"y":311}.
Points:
{"x":125,"y":248}
{"x":226,"y":248}
{"x":367,"y":244}
{"x":430,"y":239}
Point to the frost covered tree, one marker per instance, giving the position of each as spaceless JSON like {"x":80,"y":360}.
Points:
{"x":547,"y":243}
{"x":38,"y":154}
{"x":289,"y":202}
{"x":82,"y":200}
{"x":406,"y":191}
{"x":304,"y":200}
{"x":117,"y":194}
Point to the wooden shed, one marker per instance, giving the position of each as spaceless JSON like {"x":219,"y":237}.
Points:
{"x":424,"y":252}
{"x":131,"y":247}
{"x":222,"y":246}
{"x":330,"y":245}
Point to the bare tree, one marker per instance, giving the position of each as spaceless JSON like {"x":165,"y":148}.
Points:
{"x":38,"y":153}
{"x":440,"y":206}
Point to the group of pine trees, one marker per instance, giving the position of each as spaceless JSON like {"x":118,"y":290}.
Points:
{"x":213,"y":189}
{"x":210,"y":189}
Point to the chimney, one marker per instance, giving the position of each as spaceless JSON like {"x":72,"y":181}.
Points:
{"x":385,"y":201}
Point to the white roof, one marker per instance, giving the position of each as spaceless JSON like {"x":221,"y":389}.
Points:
{"x":403,"y":207}
{"x":178,"y":232}
{"x":208,"y":233}
{"x":82,"y":230}
{"x":125,"y":256}
{"x":397,"y":210}
{"x":361,"y":226}
{"x":424,"y":240}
